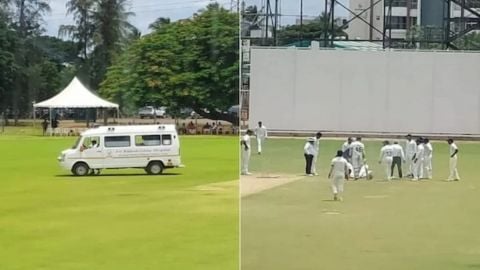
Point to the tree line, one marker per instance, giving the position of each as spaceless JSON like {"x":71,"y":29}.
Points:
{"x":188,"y":63}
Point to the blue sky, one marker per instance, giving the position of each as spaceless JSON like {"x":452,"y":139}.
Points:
{"x":146,"y":12}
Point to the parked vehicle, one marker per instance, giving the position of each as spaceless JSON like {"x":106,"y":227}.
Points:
{"x":234,"y":110}
{"x":152,"y":112}
{"x":151,"y":147}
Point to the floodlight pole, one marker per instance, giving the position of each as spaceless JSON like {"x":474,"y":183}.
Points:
{"x":34,"y":114}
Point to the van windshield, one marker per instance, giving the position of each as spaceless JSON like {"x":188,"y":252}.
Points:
{"x":76,"y":143}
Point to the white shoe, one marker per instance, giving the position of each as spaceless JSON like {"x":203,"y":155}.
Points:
{"x":414,"y":179}
{"x":246,"y":173}
{"x":310,"y":174}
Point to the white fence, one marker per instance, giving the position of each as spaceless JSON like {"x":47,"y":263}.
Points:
{"x":365,"y":91}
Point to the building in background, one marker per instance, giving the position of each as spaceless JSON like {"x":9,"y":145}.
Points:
{"x":400,"y":18}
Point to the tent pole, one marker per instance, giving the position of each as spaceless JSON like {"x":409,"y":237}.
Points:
{"x":34,"y":116}
{"x":50,"y":116}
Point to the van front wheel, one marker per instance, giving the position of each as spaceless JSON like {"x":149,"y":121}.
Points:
{"x":80,"y":169}
{"x":155,"y":167}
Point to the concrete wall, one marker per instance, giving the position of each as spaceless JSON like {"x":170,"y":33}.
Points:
{"x":357,"y":91}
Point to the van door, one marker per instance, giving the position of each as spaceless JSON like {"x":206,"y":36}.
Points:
{"x":117,"y":151}
{"x":91,"y":151}
{"x":170,"y":150}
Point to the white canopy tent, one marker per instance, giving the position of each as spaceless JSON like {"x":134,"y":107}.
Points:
{"x":75,"y":95}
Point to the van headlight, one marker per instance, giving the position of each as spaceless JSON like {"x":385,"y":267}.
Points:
{"x":61,"y":158}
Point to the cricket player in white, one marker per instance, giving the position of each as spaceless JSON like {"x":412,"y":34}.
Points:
{"x":453,"y":161}
{"x":338,"y":173}
{"x":358,"y":156}
{"x":245,"y":145}
{"x":316,"y":145}
{"x":347,"y":149}
{"x":427,"y":162}
{"x":418,"y":161}
{"x":386,"y":158}
{"x":410,"y":150}
{"x":261,"y":133}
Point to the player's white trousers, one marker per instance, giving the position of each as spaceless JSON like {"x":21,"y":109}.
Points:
{"x":387,"y":164}
{"x":427,"y":167}
{"x":418,"y":169}
{"x":245,"y":160}
{"x":337,"y":183}
{"x":453,"y":169}
{"x":259,"y":144}
{"x":314,"y":164}
{"x":409,"y":164}
{"x":357,"y":163}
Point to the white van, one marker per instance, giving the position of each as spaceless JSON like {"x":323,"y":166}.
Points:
{"x":151,"y":147}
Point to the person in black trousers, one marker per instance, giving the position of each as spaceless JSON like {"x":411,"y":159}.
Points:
{"x":398,"y":158}
{"x":309,"y":153}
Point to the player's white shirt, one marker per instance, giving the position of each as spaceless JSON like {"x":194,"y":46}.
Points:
{"x":346,"y":146}
{"x":411,"y":147}
{"x":316,"y":145}
{"x":340,"y":167}
{"x":309,"y":149}
{"x":398,"y":151}
{"x":453,"y":147}
{"x":386,"y":152}
{"x":428,"y":151}
{"x":261,"y":132}
{"x":420,"y":152}
{"x":246,"y":139}
{"x":358,"y":149}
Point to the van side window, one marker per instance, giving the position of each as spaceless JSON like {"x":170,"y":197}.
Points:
{"x":91,"y":142}
{"x":117,"y":141}
{"x":167,"y":139}
{"x":147,"y":140}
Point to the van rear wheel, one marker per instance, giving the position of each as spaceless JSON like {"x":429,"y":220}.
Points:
{"x":80,"y":169}
{"x":154,"y":167}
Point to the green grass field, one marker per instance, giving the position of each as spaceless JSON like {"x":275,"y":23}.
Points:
{"x":122,"y":219}
{"x":380,"y":225}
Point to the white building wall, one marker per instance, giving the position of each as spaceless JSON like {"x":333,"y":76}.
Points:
{"x":360,"y":91}
{"x":357,"y":29}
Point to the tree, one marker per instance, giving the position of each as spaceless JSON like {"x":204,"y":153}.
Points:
{"x":102,"y":30}
{"x":8,"y":67}
{"x":159,"y":23}
{"x":189,"y":63}
{"x":26,"y":21}
{"x":82,"y":31}
{"x":314,"y":30}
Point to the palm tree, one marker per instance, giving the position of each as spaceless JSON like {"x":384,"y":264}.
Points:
{"x":112,"y":26}
{"x":159,"y":23}
{"x":82,"y":31}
